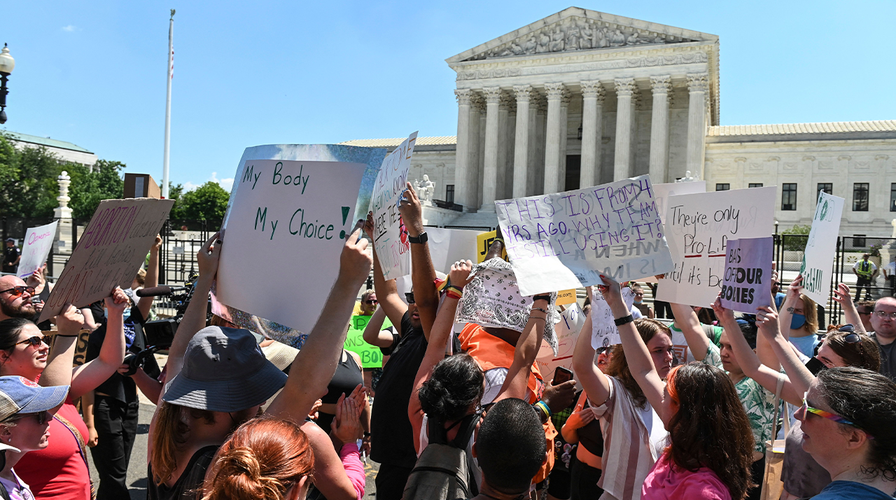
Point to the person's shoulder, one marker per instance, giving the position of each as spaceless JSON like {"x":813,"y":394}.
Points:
{"x":852,"y":490}
{"x":702,"y":484}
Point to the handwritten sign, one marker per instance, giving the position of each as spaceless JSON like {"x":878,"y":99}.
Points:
{"x":571,"y":321}
{"x":698,"y":226}
{"x":662,"y":193}
{"x":390,"y":237}
{"x":603,"y":325}
{"x":483,"y":241}
{"x":748,"y":269}
{"x":284,"y":234}
{"x":821,"y":247}
{"x":36,"y":248}
{"x":567,"y":240}
{"x":566,"y":297}
{"x":109,"y":252}
{"x":371,"y":356}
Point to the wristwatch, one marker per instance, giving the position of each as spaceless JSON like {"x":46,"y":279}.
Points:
{"x":422,"y":238}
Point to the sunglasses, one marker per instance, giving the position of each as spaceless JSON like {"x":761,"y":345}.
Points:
{"x":17,"y":291}
{"x":35,"y":341}
{"x":853,"y":337}
{"x":42,"y":417}
{"x":601,"y":350}
{"x":828,"y":415}
{"x":409,"y":297}
{"x":371,"y":302}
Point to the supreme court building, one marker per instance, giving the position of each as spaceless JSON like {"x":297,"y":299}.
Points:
{"x":581,"y":98}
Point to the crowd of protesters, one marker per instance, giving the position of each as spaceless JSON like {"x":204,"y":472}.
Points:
{"x":685,"y":407}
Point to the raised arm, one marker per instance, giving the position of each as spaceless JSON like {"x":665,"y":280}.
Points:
{"x":438,"y":341}
{"x":194,"y":316}
{"x":386,"y":291}
{"x":595,"y":383}
{"x":636,"y":354}
{"x":152,"y":277}
{"x":851,"y":314}
{"x":425,"y":294}
{"x":373,"y":332}
{"x":59,"y":364}
{"x":791,"y":302}
{"x":686,"y":319}
{"x":747,"y":359}
{"x":800,"y":377}
{"x":90,"y":375}
{"x":315,"y":364}
{"x":517,"y":381}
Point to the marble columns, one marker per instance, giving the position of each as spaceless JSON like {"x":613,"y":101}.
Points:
{"x":463,"y":172}
{"x":552,"y":138}
{"x":521,"y":147}
{"x":592,"y":102}
{"x":659,"y":129}
{"x":625,"y":110}
{"x":564,"y":139}
{"x":490,"y":179}
{"x":698,"y":84}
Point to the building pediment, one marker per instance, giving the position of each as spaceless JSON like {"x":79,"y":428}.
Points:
{"x":575,"y":30}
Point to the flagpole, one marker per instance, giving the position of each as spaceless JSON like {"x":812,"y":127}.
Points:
{"x":168,"y":105}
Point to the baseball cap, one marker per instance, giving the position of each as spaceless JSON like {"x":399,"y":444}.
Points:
{"x":20,"y":395}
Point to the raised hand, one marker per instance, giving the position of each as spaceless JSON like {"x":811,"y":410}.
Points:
{"x":117,"y":301}
{"x":411,"y":211}
{"x":209,"y":255}
{"x":355,"y":261}
{"x":842,"y":295}
{"x":460,"y":273}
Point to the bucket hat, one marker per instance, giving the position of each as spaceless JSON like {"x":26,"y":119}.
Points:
{"x":224,"y":370}
{"x":20,"y":395}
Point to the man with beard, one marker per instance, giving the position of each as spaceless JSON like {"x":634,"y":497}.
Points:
{"x":15,"y":298}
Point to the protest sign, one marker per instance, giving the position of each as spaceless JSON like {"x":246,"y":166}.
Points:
{"x":571,"y":321}
{"x":821,"y":247}
{"x":603,"y":325}
{"x":697,"y":228}
{"x":371,"y":356}
{"x":35,"y":248}
{"x":567,"y":240}
{"x":390,"y":238}
{"x":483,"y":241}
{"x":662,"y":193}
{"x":285,"y":230}
{"x":747,"y":284}
{"x":566,"y":297}
{"x":109,"y":253}
{"x":447,"y":246}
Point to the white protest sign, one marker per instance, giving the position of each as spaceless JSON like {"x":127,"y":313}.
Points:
{"x":447,"y":246}
{"x":571,"y":321}
{"x":603,"y":325}
{"x":284,"y":232}
{"x":567,"y":240}
{"x":390,"y":238}
{"x":109,"y":253}
{"x":747,"y":284}
{"x":697,"y":229}
{"x":662,"y":193}
{"x":36,"y":248}
{"x":821,"y":247}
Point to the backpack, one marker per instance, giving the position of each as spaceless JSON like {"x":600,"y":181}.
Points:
{"x":442,"y":471}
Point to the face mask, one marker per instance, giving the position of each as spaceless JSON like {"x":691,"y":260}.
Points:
{"x":797,"y":321}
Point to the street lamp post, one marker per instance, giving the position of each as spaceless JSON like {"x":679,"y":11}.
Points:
{"x":7,"y":63}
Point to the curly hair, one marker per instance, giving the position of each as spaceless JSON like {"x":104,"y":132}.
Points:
{"x":264,"y":458}
{"x":862,"y":354}
{"x":868,"y":399}
{"x":710,"y":428}
{"x":647,"y":328}
{"x":455,"y":385}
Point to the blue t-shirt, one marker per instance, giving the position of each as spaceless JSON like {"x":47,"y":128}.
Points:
{"x":806,"y":345}
{"x":849,"y":490}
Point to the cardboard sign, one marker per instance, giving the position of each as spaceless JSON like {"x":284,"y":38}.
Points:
{"x":371,"y":356}
{"x":821,"y":247}
{"x":109,"y":252}
{"x":390,"y":238}
{"x":603,"y":325}
{"x":483,"y":241}
{"x":748,"y":271}
{"x":698,"y":228}
{"x":567,"y":240}
{"x":571,"y":322}
{"x":662,"y":193}
{"x":36,"y":248}
{"x":284,"y":233}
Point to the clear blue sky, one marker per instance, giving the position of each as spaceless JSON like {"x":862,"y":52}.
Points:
{"x":93,"y":73}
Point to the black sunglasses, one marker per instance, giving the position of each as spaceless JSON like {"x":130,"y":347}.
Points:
{"x":17,"y":291}
{"x":34,"y":341}
{"x":409,"y":296}
{"x":370,"y":302}
{"x":852,"y":337}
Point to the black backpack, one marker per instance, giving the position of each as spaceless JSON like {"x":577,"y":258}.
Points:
{"x":443,"y":471}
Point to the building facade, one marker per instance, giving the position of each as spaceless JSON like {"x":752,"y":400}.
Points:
{"x":581,"y":98}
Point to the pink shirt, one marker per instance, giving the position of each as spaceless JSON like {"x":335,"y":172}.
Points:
{"x":668,"y":481}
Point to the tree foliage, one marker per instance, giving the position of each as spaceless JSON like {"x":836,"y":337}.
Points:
{"x":796,"y":237}
{"x":90,"y":187}
{"x":208,"y":202}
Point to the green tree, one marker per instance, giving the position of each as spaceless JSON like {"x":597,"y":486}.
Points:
{"x":796,"y":237}
{"x":175,"y":193}
{"x":28,"y":180}
{"x":90,"y":186}
{"x":208,"y":202}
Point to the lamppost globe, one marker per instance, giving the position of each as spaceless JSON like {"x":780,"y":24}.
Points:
{"x":7,"y":64}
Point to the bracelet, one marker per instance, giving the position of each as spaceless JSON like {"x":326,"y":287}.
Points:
{"x":546,"y":297}
{"x":537,"y":317}
{"x":540,"y":309}
{"x":623,"y":320}
{"x":543,"y":407}
{"x":454,"y":292}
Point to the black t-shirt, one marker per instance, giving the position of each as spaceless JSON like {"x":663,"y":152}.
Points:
{"x":189,"y":482}
{"x":122,"y":388}
{"x":887,"y":358}
{"x":391,"y":439}
{"x":10,"y":254}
